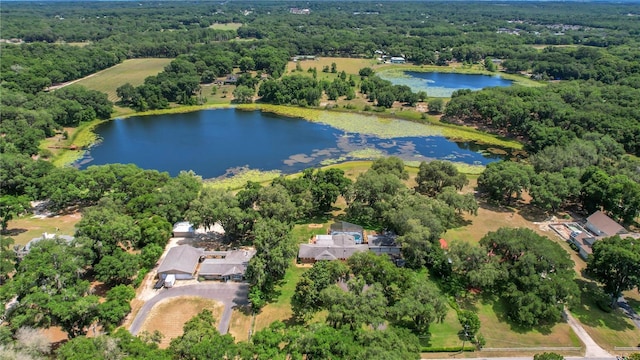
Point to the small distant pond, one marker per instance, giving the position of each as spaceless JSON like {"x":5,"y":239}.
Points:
{"x":217,"y":142}
{"x":440,"y":84}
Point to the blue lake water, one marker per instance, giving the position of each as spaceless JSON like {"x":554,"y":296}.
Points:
{"x":439,"y":84}
{"x":217,"y":142}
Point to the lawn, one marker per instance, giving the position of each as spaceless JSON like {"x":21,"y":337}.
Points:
{"x":444,"y":334}
{"x":25,"y":228}
{"x":170,"y":315}
{"x":226,"y":26}
{"x":132,"y":71}
{"x":348,"y":65}
{"x":502,"y":333}
{"x":240,"y":324}
{"x":280,"y":309}
{"x":607,"y":329}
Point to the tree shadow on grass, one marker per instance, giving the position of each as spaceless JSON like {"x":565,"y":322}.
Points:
{"x":533,"y":214}
{"x":588,"y":312}
{"x":13,"y":232}
{"x":500,"y":309}
{"x":493,"y":206}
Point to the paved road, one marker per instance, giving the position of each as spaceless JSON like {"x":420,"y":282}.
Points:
{"x":592,"y":350}
{"x":230,"y":294}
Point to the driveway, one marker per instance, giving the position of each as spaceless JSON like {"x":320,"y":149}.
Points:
{"x":592,"y":350}
{"x":230,"y":294}
{"x":628,"y":310}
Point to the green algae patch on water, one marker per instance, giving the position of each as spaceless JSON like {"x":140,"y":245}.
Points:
{"x":382,"y":127}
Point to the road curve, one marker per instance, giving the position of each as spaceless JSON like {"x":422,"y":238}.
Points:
{"x":230,"y":294}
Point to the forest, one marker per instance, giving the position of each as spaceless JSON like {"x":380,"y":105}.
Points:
{"x":580,"y":130}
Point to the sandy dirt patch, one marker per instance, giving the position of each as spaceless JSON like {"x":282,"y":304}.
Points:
{"x":170,"y":315}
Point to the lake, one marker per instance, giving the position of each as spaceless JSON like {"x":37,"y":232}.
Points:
{"x":439,"y":84}
{"x":219,"y":142}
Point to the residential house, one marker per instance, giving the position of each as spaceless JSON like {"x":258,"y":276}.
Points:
{"x":384,"y":244}
{"x":181,"y":261}
{"x":602,"y":225}
{"x":397,"y":60}
{"x":598,"y":226}
{"x":344,"y":227}
{"x":226,"y":265}
{"x":330,"y":247}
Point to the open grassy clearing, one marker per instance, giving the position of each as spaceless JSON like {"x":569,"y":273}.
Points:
{"x":280,"y":309}
{"x":445,"y":333}
{"x":170,"y":315}
{"x":226,"y":26}
{"x":502,"y":333}
{"x":25,"y":228}
{"x":132,"y":71}
{"x":348,"y":65}
{"x":240,"y":324}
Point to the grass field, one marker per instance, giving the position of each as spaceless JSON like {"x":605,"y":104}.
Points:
{"x":280,"y":309}
{"x":170,"y":315}
{"x":348,"y":65}
{"x":226,"y":26}
{"x":132,"y":71}
{"x":25,"y":228}
{"x":240,"y":325}
{"x":502,"y":333}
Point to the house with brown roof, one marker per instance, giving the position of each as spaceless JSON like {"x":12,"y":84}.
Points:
{"x":598,"y":226}
{"x":602,"y":225}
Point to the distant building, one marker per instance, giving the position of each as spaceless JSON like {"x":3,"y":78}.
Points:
{"x":299,"y":11}
{"x":397,"y":60}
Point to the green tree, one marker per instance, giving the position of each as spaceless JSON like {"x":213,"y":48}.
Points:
{"x":11,"y":206}
{"x":201,"y":340}
{"x":118,"y":268}
{"x":243,"y":94}
{"x":435,"y":175}
{"x":436,"y":105}
{"x":504,"y":179}
{"x":116,"y":307}
{"x":548,"y":356}
{"x":7,"y":258}
{"x":423,"y":304}
{"x":615,"y":262}
{"x":540,"y":275}
{"x":470,"y":323}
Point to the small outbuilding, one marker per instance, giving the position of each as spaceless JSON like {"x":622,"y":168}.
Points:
{"x":183,"y":229}
{"x":181,"y":262}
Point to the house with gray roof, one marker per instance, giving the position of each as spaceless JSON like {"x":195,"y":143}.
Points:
{"x":181,"y":261}
{"x":22,"y":252}
{"x":330,"y":247}
{"x":226,"y":265}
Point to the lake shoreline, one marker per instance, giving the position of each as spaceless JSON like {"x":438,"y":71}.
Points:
{"x":452,"y":132}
